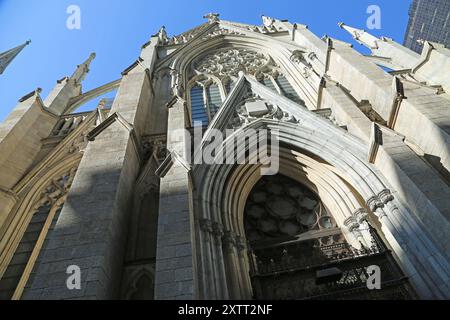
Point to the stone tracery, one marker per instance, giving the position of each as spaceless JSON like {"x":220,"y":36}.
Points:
{"x":280,"y":207}
{"x":232,"y":61}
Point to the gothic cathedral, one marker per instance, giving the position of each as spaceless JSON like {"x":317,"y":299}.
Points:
{"x":145,"y":197}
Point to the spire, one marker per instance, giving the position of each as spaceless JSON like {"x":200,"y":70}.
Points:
{"x":361,"y":36}
{"x":82,"y":69}
{"x":7,"y":57}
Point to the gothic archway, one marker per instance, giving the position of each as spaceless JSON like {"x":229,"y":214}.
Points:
{"x":297,"y":251}
{"x":346,"y":184}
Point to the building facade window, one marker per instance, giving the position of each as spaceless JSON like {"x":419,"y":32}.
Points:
{"x":215,"y":75}
{"x":27,"y":254}
{"x":206,"y":100}
{"x":279,"y":83}
{"x":198,"y":108}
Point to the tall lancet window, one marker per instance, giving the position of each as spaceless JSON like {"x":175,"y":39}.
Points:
{"x":214,"y":99}
{"x":206,"y":100}
{"x":269,"y":82}
{"x":279,"y":83}
{"x":198,"y":107}
{"x":27,"y":248}
{"x":229,"y":85}
{"x":287,"y":90}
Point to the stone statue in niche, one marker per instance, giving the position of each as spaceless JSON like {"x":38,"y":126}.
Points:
{"x":177,"y":86}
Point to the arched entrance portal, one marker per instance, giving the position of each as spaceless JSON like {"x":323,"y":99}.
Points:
{"x":297,"y":251}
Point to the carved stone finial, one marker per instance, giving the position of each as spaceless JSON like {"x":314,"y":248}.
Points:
{"x":218,"y":230}
{"x":83,"y":69}
{"x":212,"y":17}
{"x":268,"y":21}
{"x":162,"y":35}
{"x":177,"y":86}
{"x":229,"y":239}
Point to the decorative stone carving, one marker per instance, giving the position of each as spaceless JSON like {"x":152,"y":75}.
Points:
{"x":191,"y":34}
{"x":268,"y":21}
{"x":212,"y":17}
{"x":360,"y":215}
{"x":154,"y":145}
{"x":351,"y":224}
{"x":221,"y":32}
{"x":312,"y":56}
{"x":367,"y":109}
{"x":229,"y":239}
{"x":56,"y":189}
{"x":377,"y":203}
{"x":241,"y":244}
{"x":386,"y":196}
{"x":206,"y":225}
{"x":374,"y":203}
{"x":218,"y":230}
{"x":177,"y":84}
{"x":162,"y":35}
{"x":298,"y":57}
{"x":80,"y":143}
{"x":231,"y":61}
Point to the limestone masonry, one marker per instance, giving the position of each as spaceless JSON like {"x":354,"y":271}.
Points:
{"x":363,"y":159}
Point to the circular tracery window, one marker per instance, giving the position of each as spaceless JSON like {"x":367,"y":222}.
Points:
{"x":281,"y":207}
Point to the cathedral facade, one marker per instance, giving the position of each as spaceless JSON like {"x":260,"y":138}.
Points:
{"x":235,"y":162}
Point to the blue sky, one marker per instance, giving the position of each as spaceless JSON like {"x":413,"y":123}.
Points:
{"x":115,"y":30}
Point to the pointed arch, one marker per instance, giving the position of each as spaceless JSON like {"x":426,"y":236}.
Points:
{"x":334,"y":159}
{"x":139,"y":283}
{"x":182,"y":59}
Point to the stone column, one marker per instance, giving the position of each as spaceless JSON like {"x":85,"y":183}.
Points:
{"x":232,"y":265}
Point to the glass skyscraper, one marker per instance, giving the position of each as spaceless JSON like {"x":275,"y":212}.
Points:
{"x":428,"y":20}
